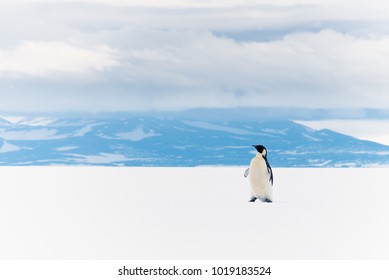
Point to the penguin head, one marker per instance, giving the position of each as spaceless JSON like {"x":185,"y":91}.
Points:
{"x":260,"y":149}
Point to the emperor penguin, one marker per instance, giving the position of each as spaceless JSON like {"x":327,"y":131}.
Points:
{"x":260,"y":176}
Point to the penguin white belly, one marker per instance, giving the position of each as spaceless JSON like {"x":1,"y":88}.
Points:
{"x":259,"y":176}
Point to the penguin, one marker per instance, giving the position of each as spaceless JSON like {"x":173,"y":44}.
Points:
{"x":260,"y":176}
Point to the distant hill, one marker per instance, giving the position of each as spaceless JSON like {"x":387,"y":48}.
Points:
{"x":169,"y":141}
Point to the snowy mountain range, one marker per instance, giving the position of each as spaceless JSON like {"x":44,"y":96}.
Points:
{"x":169,"y":141}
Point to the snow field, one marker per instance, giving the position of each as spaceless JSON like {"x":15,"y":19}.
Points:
{"x":191,"y":213}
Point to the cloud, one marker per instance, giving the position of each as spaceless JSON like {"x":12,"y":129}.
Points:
{"x":325,"y":68}
{"x":174,"y":70}
{"x":141,"y":55}
{"x":43,"y":58}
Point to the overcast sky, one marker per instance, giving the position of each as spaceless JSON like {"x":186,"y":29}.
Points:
{"x":119,"y":55}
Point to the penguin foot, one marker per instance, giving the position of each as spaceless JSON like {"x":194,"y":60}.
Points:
{"x":266,"y":200}
{"x":253,"y":199}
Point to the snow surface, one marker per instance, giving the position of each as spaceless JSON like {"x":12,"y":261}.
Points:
{"x":137,"y":134}
{"x":66,"y":148}
{"x":210,"y":126}
{"x":86,"y":129}
{"x":185,"y":143}
{"x":191,"y":213}
{"x":7,"y":147}
{"x":100,"y":158}
{"x":36,"y":134}
{"x":376,"y":130}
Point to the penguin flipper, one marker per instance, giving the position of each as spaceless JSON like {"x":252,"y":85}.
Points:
{"x":269,"y":170}
{"x":271,"y":175}
{"x":246,"y":173}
